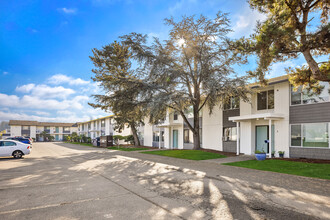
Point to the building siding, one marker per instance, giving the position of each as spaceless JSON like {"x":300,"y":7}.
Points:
{"x":312,"y":153}
{"x":229,"y":146}
{"x":227,"y":114}
{"x":310,"y":113}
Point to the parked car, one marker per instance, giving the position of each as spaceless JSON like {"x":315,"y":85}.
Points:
{"x":31,"y":140}
{"x":20,"y":139}
{"x":14,"y":148}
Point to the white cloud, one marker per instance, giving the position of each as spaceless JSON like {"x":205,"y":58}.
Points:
{"x":45,"y":91}
{"x":180,"y":5}
{"x":246,"y":21}
{"x":68,"y":10}
{"x":42,"y":113}
{"x":61,"y":78}
{"x":278,"y":69}
{"x":4,"y":72}
{"x":5,"y":116}
{"x":35,"y":102}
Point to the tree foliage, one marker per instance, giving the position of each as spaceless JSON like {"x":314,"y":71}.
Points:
{"x":287,"y":33}
{"x":189,"y":70}
{"x":112,"y":64}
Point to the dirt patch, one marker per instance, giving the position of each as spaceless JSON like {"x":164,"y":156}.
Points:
{"x":305,"y":160}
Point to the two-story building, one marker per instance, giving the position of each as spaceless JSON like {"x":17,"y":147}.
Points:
{"x":101,"y":127}
{"x":34,"y":129}
{"x":277,"y":118}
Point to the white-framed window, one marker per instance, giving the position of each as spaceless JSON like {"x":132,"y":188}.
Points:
{"x":302,"y":96}
{"x":310,"y":135}
{"x":265,"y":100}
{"x":175,"y":116}
{"x":186,"y":136}
{"x":25,"y":127}
{"x":162,"y":138}
{"x":155,"y":136}
{"x":230,"y":134}
{"x":233,"y":103}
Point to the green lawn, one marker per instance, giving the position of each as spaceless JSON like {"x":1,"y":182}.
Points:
{"x":84,"y":144}
{"x":321,"y":171}
{"x":128,"y":148}
{"x":187,"y":154}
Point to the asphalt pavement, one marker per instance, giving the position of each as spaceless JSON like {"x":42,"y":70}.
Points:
{"x":66,"y":181}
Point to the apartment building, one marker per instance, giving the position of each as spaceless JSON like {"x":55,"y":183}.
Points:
{"x":34,"y":129}
{"x":100,"y":127}
{"x":277,"y":118}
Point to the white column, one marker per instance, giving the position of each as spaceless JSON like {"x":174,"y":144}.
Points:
{"x":238,"y":138}
{"x":159,"y":139}
{"x":270,"y":138}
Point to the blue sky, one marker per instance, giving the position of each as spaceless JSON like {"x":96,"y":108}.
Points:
{"x":45,"y":70}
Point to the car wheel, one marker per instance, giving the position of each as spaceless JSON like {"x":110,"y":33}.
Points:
{"x":17,"y":154}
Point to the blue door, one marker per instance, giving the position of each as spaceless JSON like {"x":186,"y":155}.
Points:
{"x":175,"y":139}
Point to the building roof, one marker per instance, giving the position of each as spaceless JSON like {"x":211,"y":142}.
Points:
{"x":271,"y":81}
{"x":109,"y":116}
{"x":36,"y":123}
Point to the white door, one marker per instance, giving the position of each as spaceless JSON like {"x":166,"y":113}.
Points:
{"x":6,"y":148}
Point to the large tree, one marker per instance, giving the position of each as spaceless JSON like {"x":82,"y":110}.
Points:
{"x":188,"y":71}
{"x":292,"y":28}
{"x":112,"y":63}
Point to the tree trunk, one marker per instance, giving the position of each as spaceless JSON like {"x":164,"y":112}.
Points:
{"x":135,"y":136}
{"x":317,"y":74}
{"x":197,"y":141}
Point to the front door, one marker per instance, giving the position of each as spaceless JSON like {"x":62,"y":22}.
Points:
{"x":262,"y":138}
{"x":175,"y":138}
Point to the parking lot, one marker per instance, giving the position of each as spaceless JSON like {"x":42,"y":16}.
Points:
{"x":64,"y":181}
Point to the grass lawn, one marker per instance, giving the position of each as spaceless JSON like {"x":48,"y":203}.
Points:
{"x":127,"y":148}
{"x":187,"y":154}
{"x":84,"y":144}
{"x":321,"y":171}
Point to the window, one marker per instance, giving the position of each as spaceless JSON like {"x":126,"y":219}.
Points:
{"x":103,"y":123}
{"x":7,"y":143}
{"x":25,"y":127}
{"x":265,"y":100}
{"x":310,"y":135}
{"x":155,"y":136}
{"x":162,"y":136}
{"x":230,"y":134}
{"x":47,"y":129}
{"x":233,"y":103}
{"x":186,"y":135}
{"x":57,"y":129}
{"x":295,"y":135}
{"x":302,"y":96}
{"x":175,"y":116}
{"x":66,"y":129}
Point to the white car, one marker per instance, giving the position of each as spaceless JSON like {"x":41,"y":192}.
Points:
{"x":14,"y":148}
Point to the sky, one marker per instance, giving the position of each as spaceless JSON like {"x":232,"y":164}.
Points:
{"x":45,"y":70}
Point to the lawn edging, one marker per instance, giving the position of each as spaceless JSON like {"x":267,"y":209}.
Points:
{"x":186,"y":154}
{"x":314,"y":170}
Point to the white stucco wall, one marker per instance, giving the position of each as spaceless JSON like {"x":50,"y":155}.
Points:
{"x":281,"y":106}
{"x":15,"y":130}
{"x":147,"y":131}
{"x":282,"y":127}
{"x":33,"y":131}
{"x":212,"y":129}
{"x":167,"y":138}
